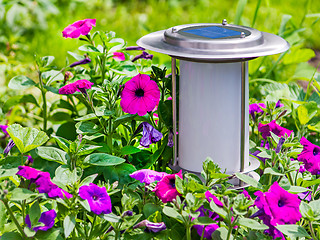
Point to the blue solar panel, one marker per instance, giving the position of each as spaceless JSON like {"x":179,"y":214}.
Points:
{"x":213,"y":32}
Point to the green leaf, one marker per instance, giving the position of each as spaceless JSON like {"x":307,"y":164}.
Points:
{"x":119,"y":173}
{"x":306,"y":112}
{"x":15,"y":100}
{"x":203,"y":221}
{"x":218,"y":210}
{"x":11,"y":236}
{"x":85,"y":204}
{"x":46,"y":61}
{"x":29,"y":232}
{"x":103,"y":159}
{"x":221,"y":234}
{"x":165,"y":112}
{"x":65,"y":176}
{"x":306,"y":211}
{"x":87,"y":117}
{"x":61,"y":104}
{"x":249,"y":180}
{"x":69,"y":224}
{"x":53,"y":154}
{"x":52,"y":75}
{"x":253,"y":224}
{"x":27,"y":138}
{"x":273,"y":171}
{"x":62,"y":142}
{"x":111,"y":217}
{"x":293,"y":231}
{"x":21,"y":83}
{"x":126,"y":150}
{"x":315,"y":206}
{"x":51,"y":234}
{"x":3,"y":216}
{"x":170,"y":212}
{"x":150,"y":208}
{"x":87,"y":127}
{"x":87,"y":149}
{"x":34,"y":213}
{"x":88,"y":179}
{"x":88,"y":48}
{"x":19,"y":194}
{"x":240,"y":8}
{"x":297,"y":189}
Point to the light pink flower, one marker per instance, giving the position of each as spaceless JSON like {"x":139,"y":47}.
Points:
{"x":140,"y":95}
{"x":82,"y":27}
{"x":119,"y":56}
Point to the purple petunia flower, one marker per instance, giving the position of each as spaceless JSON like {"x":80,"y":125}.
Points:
{"x":256,"y":108}
{"x":9,"y":146}
{"x":166,"y":187}
{"x":280,"y":143}
{"x":151,"y":226}
{"x":143,"y":55}
{"x":265,"y":129}
{"x":97,"y":197}
{"x":310,"y":156}
{"x":149,"y":135}
{"x":28,"y":172}
{"x":82,"y":27}
{"x":148,"y":176}
{"x":47,"y":218}
{"x":208,"y":229}
{"x":136,"y":48}
{"x":274,"y":207}
{"x":279,"y":104}
{"x":81,"y":62}
{"x":170,"y":139}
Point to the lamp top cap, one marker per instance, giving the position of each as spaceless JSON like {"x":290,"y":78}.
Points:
{"x":212,"y":42}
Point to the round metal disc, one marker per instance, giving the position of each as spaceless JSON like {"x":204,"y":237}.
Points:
{"x":209,"y":42}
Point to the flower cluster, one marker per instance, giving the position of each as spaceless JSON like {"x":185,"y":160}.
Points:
{"x":43,"y":182}
{"x":277,"y":207}
{"x":265,"y":129}
{"x":77,"y":86}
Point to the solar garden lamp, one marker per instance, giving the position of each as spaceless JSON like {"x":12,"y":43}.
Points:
{"x":213,"y":90}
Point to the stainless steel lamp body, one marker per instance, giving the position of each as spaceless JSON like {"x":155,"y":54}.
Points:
{"x":210,"y":101}
{"x":213,"y":90}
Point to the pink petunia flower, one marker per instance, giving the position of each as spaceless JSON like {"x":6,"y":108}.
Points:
{"x":119,"y":56}
{"x":77,"y":86}
{"x":148,"y":176}
{"x":310,"y":156}
{"x":140,"y":95}
{"x":83,"y":84}
{"x":166,"y":188}
{"x":274,"y":207}
{"x":256,"y":108}
{"x":265,"y":129}
{"x":68,"y":89}
{"x":82,"y":27}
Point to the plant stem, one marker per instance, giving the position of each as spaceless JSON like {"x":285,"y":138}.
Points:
{"x":44,"y":104}
{"x":312,"y":231}
{"x":14,"y":219}
{"x":92,"y":226}
{"x":229,"y":232}
{"x":188,"y":232}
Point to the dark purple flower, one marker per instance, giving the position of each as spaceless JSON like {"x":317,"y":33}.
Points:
{"x":97,"y":197}
{"x":280,"y":143}
{"x":135,"y":48}
{"x":149,"y":135}
{"x":166,"y":188}
{"x":277,"y":206}
{"x":148,"y":176}
{"x":81,"y":62}
{"x":47,"y":218}
{"x":256,"y":108}
{"x":209,"y":229}
{"x":265,"y":129}
{"x":279,"y":104}
{"x":170,"y":139}
{"x":30,"y":159}
{"x":9,"y":146}
{"x":310,"y":156}
{"x":143,"y":55}
{"x":151,"y":226}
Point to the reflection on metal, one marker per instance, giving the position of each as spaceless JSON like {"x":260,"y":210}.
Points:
{"x":174,"y":109}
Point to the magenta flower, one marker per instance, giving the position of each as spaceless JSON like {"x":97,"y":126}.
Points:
{"x":151,"y":226}
{"x":166,"y":188}
{"x":140,"y":95}
{"x":97,"y":197}
{"x":277,"y":206}
{"x":4,"y":130}
{"x":310,"y":156}
{"x":256,"y":108}
{"x":265,"y":129}
{"x":77,"y":86}
{"x":47,"y":218}
{"x":82,"y":27}
{"x":8,"y":148}
{"x":148,"y":176}
{"x":279,"y":104}
{"x":28,"y":172}
{"x":209,"y":229}
{"x":149,"y":135}
{"x":68,"y":89}
{"x":119,"y":56}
